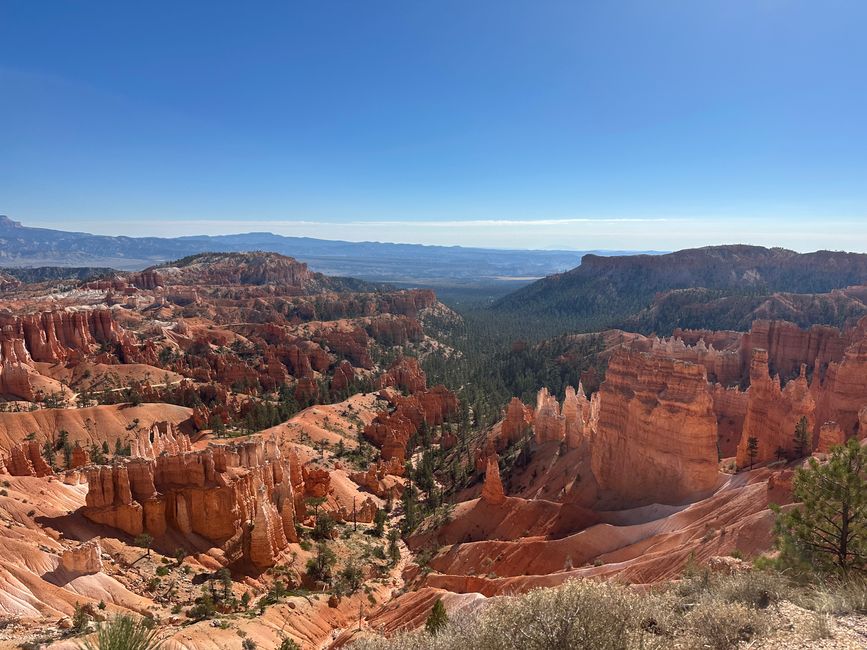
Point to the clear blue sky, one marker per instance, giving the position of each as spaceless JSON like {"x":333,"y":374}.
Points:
{"x":573,"y":124}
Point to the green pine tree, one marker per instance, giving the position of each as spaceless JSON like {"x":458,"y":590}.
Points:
{"x":752,"y":449}
{"x":801,"y":438}
{"x":437,"y":619}
{"x":829,"y":529}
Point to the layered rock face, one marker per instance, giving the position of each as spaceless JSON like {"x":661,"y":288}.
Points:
{"x":723,"y":366}
{"x":789,"y":347}
{"x":53,"y":337}
{"x":830,"y":435}
{"x":730,"y":406}
{"x":655,"y":434}
{"x":842,"y":393}
{"x":240,"y":497}
{"x":234,"y":269}
{"x":56,"y":336}
{"x":549,"y":425}
{"x":773,"y":412}
{"x":382,"y":478}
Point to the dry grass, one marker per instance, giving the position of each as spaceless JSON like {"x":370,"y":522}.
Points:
{"x":705,"y":611}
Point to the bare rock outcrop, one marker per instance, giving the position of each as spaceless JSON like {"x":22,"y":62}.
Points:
{"x":549,"y":425}
{"x":517,"y":421}
{"x":404,"y":373}
{"x":83,"y":559}
{"x":492,"y":491}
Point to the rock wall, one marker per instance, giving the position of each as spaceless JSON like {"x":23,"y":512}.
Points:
{"x":842,"y":393}
{"x":656,"y":433}
{"x":549,"y":425}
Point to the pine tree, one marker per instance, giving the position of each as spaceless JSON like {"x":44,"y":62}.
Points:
{"x":48,"y":453}
{"x":752,"y":449}
{"x":437,"y":619}
{"x":393,"y":547}
{"x":144,"y":541}
{"x":802,"y":444}
{"x":829,"y":530}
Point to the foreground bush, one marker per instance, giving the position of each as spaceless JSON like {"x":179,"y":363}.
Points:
{"x":706,"y":611}
{"x":125,"y":633}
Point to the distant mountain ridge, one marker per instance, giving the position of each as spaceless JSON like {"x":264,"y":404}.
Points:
{"x":614,"y":291}
{"x":32,"y":247}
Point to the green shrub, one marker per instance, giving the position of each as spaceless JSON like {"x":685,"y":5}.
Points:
{"x":125,"y":633}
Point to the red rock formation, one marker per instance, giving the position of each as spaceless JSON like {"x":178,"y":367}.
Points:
{"x":842,"y":393}
{"x":730,"y":406}
{"x":56,"y":336}
{"x":576,"y":413}
{"x":790,"y":347}
{"x":406,"y":374}
{"x":342,"y":377}
{"x":723,"y":366}
{"x":395,"y":330}
{"x":83,"y":559}
{"x":352,"y":344}
{"x":223,"y":493}
{"x":26,"y":459}
{"x":306,"y":390}
{"x":317,"y":482}
{"x":655,"y":431}
{"x":392,"y":430}
{"x":147,"y":279}
{"x":830,"y":435}
{"x":224,"y":269}
{"x":773,"y":412}
{"x":492,"y":491}
{"x":549,"y":425}
{"x":437,"y":404}
{"x":381,"y":478}
{"x":517,"y":421}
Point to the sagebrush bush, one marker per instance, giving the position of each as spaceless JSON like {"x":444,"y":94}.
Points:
{"x":722,"y":625}
{"x":597,"y":615}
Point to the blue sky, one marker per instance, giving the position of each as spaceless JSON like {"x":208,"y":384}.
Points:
{"x":574,"y":124}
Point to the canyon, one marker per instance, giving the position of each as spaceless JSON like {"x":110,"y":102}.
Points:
{"x":231,"y":433}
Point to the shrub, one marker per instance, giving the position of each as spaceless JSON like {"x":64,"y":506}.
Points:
{"x":723,"y":625}
{"x":289,"y":644}
{"x":437,"y":619}
{"x":125,"y":633}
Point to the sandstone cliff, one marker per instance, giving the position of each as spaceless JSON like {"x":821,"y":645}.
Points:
{"x":655,"y":433}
